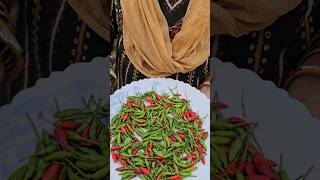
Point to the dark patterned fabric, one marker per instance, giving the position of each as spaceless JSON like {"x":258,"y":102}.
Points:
{"x":276,"y":51}
{"x":125,"y":72}
{"x":74,"y":42}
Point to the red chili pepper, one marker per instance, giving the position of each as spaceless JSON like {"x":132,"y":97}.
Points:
{"x":258,"y":160}
{"x":187,"y":157}
{"x":272,"y":163}
{"x":129,"y":128}
{"x":176,"y":177}
{"x":148,"y":99}
{"x":52,"y":172}
{"x":219,"y":105}
{"x":192,"y":131}
{"x":123,"y":163}
{"x":145,"y":171}
{"x":129,"y":104}
{"x":159,"y":162}
{"x":68,"y":124}
{"x":250,"y":170}
{"x":200,"y":125}
{"x":236,"y":120}
{"x":263,"y":166}
{"x":159,"y":157}
{"x":203,"y":160}
{"x":185,"y":100}
{"x":158,"y":98}
{"x":150,"y":145}
{"x":241,"y":166}
{"x":191,"y":116}
{"x":138,"y":172}
{"x":252,"y":149}
{"x":123,"y":129}
{"x":137,"y":124}
{"x":85,"y":132}
{"x":114,"y":157}
{"x":61,"y":137}
{"x":221,"y":174}
{"x":151,"y":106}
{"x":131,"y":100}
{"x":166,"y":106}
{"x":193,"y":156}
{"x":193,"y":163}
{"x":232,"y":168}
{"x":159,"y":176}
{"x":182,"y":115}
{"x":120,"y":156}
{"x":182,"y":136}
{"x":173,"y":138}
{"x":137,"y":105}
{"x":115,"y":148}
{"x":170,"y":140}
{"x":134,"y":152}
{"x":200,"y":149}
{"x":258,"y":177}
{"x":120,"y":168}
{"x":203,"y":135}
{"x":125,"y":117}
{"x":147,"y":153}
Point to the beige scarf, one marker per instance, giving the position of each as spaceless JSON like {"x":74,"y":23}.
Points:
{"x":147,"y":42}
{"x":238,"y":18}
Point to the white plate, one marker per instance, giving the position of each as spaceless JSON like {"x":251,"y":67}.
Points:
{"x":285,"y":125}
{"x":199,"y":103}
{"x":17,"y":139}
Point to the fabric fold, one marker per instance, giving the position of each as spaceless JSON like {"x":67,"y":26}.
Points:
{"x":238,"y":18}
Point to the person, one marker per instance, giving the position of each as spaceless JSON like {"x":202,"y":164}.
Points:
{"x":277,"y":39}
{"x":161,"y":39}
{"x":39,"y":37}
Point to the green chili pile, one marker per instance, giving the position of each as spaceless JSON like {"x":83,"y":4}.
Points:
{"x":236,"y":153}
{"x":157,"y":137}
{"x":78,"y":148}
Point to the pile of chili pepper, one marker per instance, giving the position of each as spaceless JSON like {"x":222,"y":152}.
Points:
{"x":237,"y":154}
{"x":157,"y":137}
{"x":77,"y":149}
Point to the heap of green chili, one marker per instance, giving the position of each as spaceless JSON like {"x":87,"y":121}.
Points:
{"x":157,"y":137}
{"x":78,"y":148}
{"x":237,"y":154}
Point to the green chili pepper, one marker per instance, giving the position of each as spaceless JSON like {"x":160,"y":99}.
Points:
{"x":56,"y":156}
{"x":72,"y":175}
{"x":239,"y":176}
{"x":19,"y":173}
{"x":81,"y":128}
{"x":219,"y":140}
{"x":32,"y":167}
{"x":42,"y":167}
{"x":93,"y":130}
{"x":101,"y":173}
{"x":90,"y":167}
{"x":235,"y":147}
{"x":46,"y":137}
{"x":92,"y":157}
{"x":63,"y":173}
